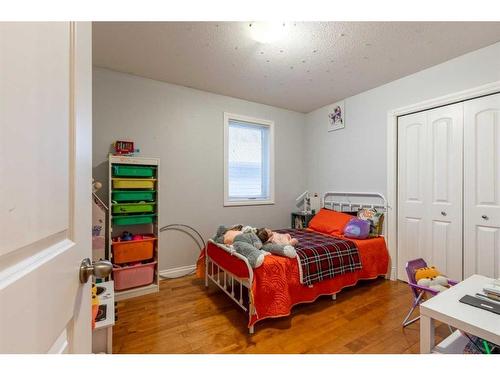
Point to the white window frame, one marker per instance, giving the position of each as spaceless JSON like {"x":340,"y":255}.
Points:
{"x":259,"y":122}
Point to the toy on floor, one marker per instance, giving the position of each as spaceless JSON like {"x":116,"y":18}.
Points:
{"x":421,"y":292}
{"x":430,"y":277}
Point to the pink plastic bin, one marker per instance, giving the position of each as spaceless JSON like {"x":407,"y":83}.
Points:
{"x":133,"y":276}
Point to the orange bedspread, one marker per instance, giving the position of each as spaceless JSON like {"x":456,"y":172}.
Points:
{"x":277,"y":288}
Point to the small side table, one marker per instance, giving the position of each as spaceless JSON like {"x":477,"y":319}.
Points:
{"x":300,"y":220}
{"x":446,"y":307}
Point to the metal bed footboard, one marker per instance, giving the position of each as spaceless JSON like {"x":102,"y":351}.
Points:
{"x":229,"y":283}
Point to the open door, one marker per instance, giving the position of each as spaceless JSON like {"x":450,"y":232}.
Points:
{"x":45,"y":186}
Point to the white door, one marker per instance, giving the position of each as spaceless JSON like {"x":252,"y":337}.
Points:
{"x":412,"y":174}
{"x":444,"y":189}
{"x":45,"y":186}
{"x":482,"y":186}
{"x":430,"y":189}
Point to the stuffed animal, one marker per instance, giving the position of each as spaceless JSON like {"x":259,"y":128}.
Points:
{"x":221,"y":231}
{"x":282,"y":250}
{"x":431,"y":278}
{"x":249,"y":245}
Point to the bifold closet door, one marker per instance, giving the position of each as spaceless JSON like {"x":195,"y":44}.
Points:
{"x":444,"y":189}
{"x":482,"y":186}
{"x":412,"y":145}
{"x":430,"y":189}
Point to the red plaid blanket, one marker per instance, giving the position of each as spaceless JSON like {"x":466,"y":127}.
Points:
{"x":323,"y":257}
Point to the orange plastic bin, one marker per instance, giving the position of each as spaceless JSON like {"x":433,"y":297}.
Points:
{"x":133,"y":251}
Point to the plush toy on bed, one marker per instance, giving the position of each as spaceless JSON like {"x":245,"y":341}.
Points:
{"x":281,"y":250}
{"x":283,"y":247}
{"x":244,"y":241}
{"x":430,"y":277}
{"x":222,"y":236}
{"x":249,"y":245}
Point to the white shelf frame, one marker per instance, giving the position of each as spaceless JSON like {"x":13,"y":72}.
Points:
{"x":136,"y":160}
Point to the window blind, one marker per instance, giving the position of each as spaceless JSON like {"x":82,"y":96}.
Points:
{"x":248,"y":161}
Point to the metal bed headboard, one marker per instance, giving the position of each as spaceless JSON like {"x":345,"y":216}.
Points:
{"x":347,"y":201}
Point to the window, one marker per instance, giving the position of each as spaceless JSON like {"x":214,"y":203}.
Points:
{"x":248,"y":161}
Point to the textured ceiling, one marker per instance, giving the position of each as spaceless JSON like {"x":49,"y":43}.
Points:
{"x":315,"y":64}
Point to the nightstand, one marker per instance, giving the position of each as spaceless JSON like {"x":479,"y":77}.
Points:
{"x":300,"y":220}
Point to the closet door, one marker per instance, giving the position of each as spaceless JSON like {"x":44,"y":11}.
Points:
{"x":443,"y":189}
{"x":412,"y":175}
{"x":482,"y":186}
{"x":430,"y":189}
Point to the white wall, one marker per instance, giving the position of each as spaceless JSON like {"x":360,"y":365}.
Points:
{"x":184,"y":127}
{"x":354,"y":158}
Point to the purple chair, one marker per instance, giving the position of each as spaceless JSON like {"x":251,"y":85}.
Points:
{"x":417,"y":290}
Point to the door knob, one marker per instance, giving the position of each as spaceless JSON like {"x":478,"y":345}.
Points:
{"x":485,"y":217}
{"x":100,"y":269}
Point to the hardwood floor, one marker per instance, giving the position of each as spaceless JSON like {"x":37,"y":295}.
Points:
{"x":184,"y":317}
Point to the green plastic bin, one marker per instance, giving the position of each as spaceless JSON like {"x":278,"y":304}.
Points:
{"x":133,"y":171}
{"x":133,"y":195}
{"x":133,"y":219}
{"x":132,"y":208}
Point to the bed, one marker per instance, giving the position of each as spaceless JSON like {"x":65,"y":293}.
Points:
{"x":271,"y":290}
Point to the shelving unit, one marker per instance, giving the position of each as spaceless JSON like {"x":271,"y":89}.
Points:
{"x":300,"y":220}
{"x":134,"y":207}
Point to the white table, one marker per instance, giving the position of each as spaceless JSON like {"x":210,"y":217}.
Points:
{"x":445,"y":307}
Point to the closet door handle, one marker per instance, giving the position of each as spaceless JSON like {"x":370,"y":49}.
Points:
{"x":443,"y":213}
{"x":485,"y":217}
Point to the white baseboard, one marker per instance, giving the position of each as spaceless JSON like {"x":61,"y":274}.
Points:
{"x":178,"y":271}
{"x":393,"y":274}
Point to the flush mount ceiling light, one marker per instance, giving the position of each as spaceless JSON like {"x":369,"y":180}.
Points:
{"x":267,"y":32}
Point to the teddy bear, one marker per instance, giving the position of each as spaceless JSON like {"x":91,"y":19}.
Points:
{"x":278,"y":249}
{"x":249,"y":245}
{"x":260,"y":250}
{"x":430,"y":277}
{"x":222,"y":230}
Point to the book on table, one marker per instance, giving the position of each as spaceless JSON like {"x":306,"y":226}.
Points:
{"x":493,"y":290}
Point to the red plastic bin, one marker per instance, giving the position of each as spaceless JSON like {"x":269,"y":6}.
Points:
{"x":133,"y":276}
